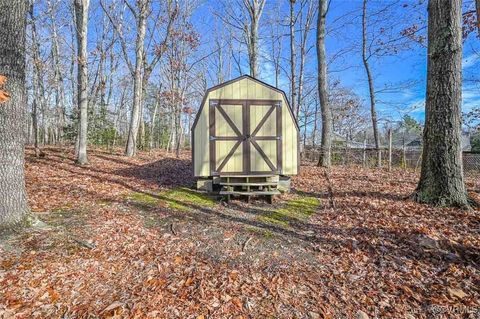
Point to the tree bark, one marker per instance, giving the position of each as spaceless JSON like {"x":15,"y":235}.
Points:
{"x":477,"y":5}
{"x":81,"y":14}
{"x":35,"y":82}
{"x":13,"y":197}
{"x":255,"y":9}
{"x":371,"y":89}
{"x":441,"y":180}
{"x":38,"y":86}
{"x":293,"y":61}
{"x":325,"y":150}
{"x":152,"y":125}
{"x":58,"y":79}
{"x":131,"y":147}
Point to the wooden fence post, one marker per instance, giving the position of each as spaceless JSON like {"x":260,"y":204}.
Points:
{"x":389,"y":149}
{"x":365,"y":149}
{"x":404,"y":153}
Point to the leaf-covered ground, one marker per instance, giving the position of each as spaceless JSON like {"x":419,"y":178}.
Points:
{"x":129,"y":238}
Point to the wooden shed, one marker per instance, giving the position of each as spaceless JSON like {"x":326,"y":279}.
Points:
{"x":245,"y":128}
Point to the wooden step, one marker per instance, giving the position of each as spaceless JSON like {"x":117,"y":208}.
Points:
{"x":252,"y":175}
{"x":251,"y":193}
{"x":249,"y":184}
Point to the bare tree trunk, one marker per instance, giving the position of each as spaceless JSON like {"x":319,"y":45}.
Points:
{"x":81,"y":15}
{"x":293,"y":61}
{"x":38,"y":87}
{"x":131,"y":147}
{"x":58,"y":80}
{"x":325,"y":150}
{"x":441,"y":181}
{"x":13,"y":197}
{"x":255,"y":9}
{"x":118,"y":115}
{"x":152,"y":125}
{"x":371,"y":88}
{"x":315,"y":126}
{"x":179,"y":133}
{"x":35,"y":128}
{"x":477,"y":5}
{"x":305,"y":26}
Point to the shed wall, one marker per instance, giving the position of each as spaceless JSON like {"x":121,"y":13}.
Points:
{"x":244,"y":89}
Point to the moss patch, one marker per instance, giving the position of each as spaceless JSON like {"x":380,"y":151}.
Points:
{"x":260,"y":231}
{"x":300,"y":208}
{"x":144,"y":198}
{"x":184,"y":199}
{"x":295,"y":209}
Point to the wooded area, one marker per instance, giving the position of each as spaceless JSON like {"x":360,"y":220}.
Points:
{"x":98,"y":213}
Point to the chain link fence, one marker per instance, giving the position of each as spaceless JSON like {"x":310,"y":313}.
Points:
{"x":403,"y":158}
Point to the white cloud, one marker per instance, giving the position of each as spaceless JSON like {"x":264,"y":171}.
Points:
{"x":470,"y":97}
{"x":470,"y":60}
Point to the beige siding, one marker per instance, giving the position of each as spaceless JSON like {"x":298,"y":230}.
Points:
{"x":201,"y":154}
{"x":245,"y":89}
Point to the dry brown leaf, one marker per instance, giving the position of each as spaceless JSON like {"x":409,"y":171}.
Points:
{"x":454,"y":292}
{"x":4,"y":96}
{"x":189,"y":281}
{"x":237,"y":302}
{"x":112,"y":306}
{"x":3,"y":80}
{"x":53,"y":295}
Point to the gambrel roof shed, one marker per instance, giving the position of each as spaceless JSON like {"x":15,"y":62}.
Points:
{"x":245,"y":127}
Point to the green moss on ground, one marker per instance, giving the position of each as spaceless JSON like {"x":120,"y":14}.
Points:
{"x":300,"y":208}
{"x":144,"y":198}
{"x":260,"y":231}
{"x":185,"y":199}
{"x":182,"y":199}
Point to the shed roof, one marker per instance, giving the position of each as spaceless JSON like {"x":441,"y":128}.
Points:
{"x":245,"y":76}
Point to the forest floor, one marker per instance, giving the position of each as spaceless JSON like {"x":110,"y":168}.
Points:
{"x":130,"y":238}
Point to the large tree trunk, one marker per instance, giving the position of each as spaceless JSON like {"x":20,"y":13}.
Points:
{"x":13,"y":198}
{"x":81,"y":14}
{"x":371,"y":88}
{"x":441,"y":180}
{"x":131,"y":147}
{"x":325,"y":150}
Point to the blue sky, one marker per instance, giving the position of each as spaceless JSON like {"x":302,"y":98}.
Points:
{"x":408,"y":66}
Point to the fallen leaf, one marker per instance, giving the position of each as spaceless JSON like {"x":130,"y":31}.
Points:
{"x":453,"y":292}
{"x":189,"y":281}
{"x":113,"y":306}
{"x":362,"y":315}
{"x":178,"y":260}
{"x":4,"y":96}
{"x":237,"y":302}
{"x":53,"y":295}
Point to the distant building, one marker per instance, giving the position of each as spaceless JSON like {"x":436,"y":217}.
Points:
{"x":416,"y":144}
{"x":342,"y":141}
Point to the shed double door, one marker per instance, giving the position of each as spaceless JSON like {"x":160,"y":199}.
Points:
{"x":245,"y":137}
